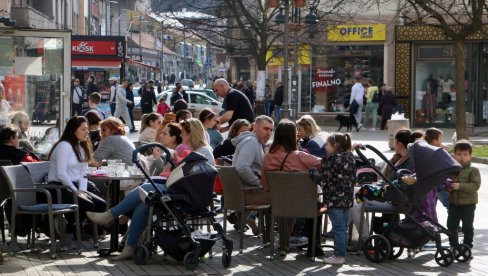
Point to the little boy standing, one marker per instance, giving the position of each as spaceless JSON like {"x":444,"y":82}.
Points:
{"x":463,"y":195}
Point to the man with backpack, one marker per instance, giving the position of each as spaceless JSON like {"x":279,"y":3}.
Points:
{"x":372,"y":102}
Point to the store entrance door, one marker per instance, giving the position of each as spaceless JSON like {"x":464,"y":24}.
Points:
{"x":35,"y":71}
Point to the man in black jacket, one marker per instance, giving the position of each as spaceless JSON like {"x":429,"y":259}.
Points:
{"x":278,"y":101}
{"x":91,"y":86}
{"x":178,"y":94}
{"x":148,"y":98}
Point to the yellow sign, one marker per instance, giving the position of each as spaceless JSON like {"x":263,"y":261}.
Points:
{"x":275,"y":55}
{"x":361,"y":32}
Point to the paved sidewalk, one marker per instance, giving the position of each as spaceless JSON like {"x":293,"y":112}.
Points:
{"x":255,"y":259}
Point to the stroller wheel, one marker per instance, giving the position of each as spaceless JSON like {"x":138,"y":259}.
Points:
{"x":377,"y":248}
{"x":227,"y":257}
{"x":462,"y":253}
{"x":141,"y":255}
{"x":190,"y":260}
{"x":395,"y":253}
{"x":444,"y":257}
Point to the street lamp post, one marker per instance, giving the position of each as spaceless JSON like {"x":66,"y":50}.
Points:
{"x":110,"y":14}
{"x":184,"y":52}
{"x":310,"y":19}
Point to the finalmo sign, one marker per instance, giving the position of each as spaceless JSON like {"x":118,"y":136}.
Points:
{"x":325,"y":80}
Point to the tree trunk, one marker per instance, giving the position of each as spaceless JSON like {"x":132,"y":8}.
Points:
{"x":460,"y":58}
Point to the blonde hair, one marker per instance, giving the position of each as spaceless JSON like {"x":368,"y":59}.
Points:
{"x":309,"y":124}
{"x":197,"y":134}
{"x":18,"y":116}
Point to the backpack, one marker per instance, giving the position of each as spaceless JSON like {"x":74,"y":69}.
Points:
{"x":376,"y":97}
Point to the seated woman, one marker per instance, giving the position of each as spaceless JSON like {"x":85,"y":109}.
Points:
{"x":311,"y":139}
{"x":192,"y":135}
{"x":149,"y":126}
{"x":284,"y":156}
{"x":401,"y":160}
{"x":226,"y":147}
{"x":68,"y":162}
{"x":22,"y":121}
{"x":10,"y":147}
{"x":114,"y":145}
{"x":209,"y":120}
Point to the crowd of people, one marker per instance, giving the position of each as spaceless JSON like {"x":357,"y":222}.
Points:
{"x":92,"y":139}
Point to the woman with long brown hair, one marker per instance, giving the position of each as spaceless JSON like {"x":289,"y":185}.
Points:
{"x":68,"y":162}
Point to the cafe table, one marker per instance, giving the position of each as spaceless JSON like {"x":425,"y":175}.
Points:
{"x":113,"y":197}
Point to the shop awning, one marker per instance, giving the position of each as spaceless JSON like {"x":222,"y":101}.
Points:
{"x":138,"y":63}
{"x":96,"y":64}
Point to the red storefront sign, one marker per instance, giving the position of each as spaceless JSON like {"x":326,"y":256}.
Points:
{"x":325,"y":80}
{"x":107,"y":47}
{"x":95,"y":48}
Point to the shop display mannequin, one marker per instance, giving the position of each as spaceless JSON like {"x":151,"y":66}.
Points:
{"x":429,"y":100}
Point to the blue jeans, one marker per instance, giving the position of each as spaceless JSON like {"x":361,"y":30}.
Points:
{"x":339,"y":217}
{"x":267,"y":107}
{"x":277,"y":112}
{"x":443,"y":195}
{"x":141,"y":212}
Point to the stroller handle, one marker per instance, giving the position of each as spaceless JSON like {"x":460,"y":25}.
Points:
{"x":142,"y":148}
{"x":383,"y":157}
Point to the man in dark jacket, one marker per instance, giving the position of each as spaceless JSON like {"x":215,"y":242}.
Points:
{"x":278,"y":101}
{"x":148,"y":98}
{"x":91,"y":86}
{"x":178,"y":94}
{"x":130,"y":96}
{"x":77,"y":98}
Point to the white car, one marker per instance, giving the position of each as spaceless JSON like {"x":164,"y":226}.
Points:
{"x":197,"y":101}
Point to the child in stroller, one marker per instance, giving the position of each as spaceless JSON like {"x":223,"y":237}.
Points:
{"x":432,"y":164}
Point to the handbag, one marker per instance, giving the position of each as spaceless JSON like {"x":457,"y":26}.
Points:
{"x":283,"y":162}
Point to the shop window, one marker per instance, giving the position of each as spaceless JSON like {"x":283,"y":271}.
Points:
{"x":337,"y":66}
{"x":435,"y":93}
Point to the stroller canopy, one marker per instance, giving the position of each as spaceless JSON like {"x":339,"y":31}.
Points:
{"x":195,"y":178}
{"x":433,"y":165}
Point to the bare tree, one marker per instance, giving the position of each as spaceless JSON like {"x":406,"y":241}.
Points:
{"x":458,"y":19}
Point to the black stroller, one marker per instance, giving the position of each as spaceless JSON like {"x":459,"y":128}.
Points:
{"x":176,"y":213}
{"x":432,"y":166}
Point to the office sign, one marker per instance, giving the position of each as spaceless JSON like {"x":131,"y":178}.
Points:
{"x":360,"y":32}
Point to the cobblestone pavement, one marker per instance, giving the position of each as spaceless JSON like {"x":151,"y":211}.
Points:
{"x":255,"y":259}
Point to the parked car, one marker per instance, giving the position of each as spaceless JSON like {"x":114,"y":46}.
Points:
{"x":197,"y":101}
{"x":187,"y":82}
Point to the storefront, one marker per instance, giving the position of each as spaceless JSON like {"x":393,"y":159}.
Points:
{"x":100,"y":56}
{"x":324,"y":80}
{"x":351,"y":51}
{"x":136,"y":71}
{"x":425,"y":74}
{"x":34,"y":68}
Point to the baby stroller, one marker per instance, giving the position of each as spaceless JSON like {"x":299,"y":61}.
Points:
{"x":432,"y":166}
{"x":179,"y":210}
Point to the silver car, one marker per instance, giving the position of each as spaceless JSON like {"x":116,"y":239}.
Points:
{"x":197,"y":101}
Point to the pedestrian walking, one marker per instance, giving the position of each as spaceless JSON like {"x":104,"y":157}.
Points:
{"x":113,"y":89}
{"x":356,"y":102}
{"x":372,"y":102}
{"x":148,"y":98}
{"x":387,"y":103}
{"x":121,"y":101}
{"x":278,"y":101}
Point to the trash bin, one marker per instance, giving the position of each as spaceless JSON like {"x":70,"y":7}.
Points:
{"x":393,"y":127}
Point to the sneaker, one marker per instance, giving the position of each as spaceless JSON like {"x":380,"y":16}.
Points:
{"x":297,"y":241}
{"x":133,"y":130}
{"x":373,"y":129}
{"x":335,"y":260}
